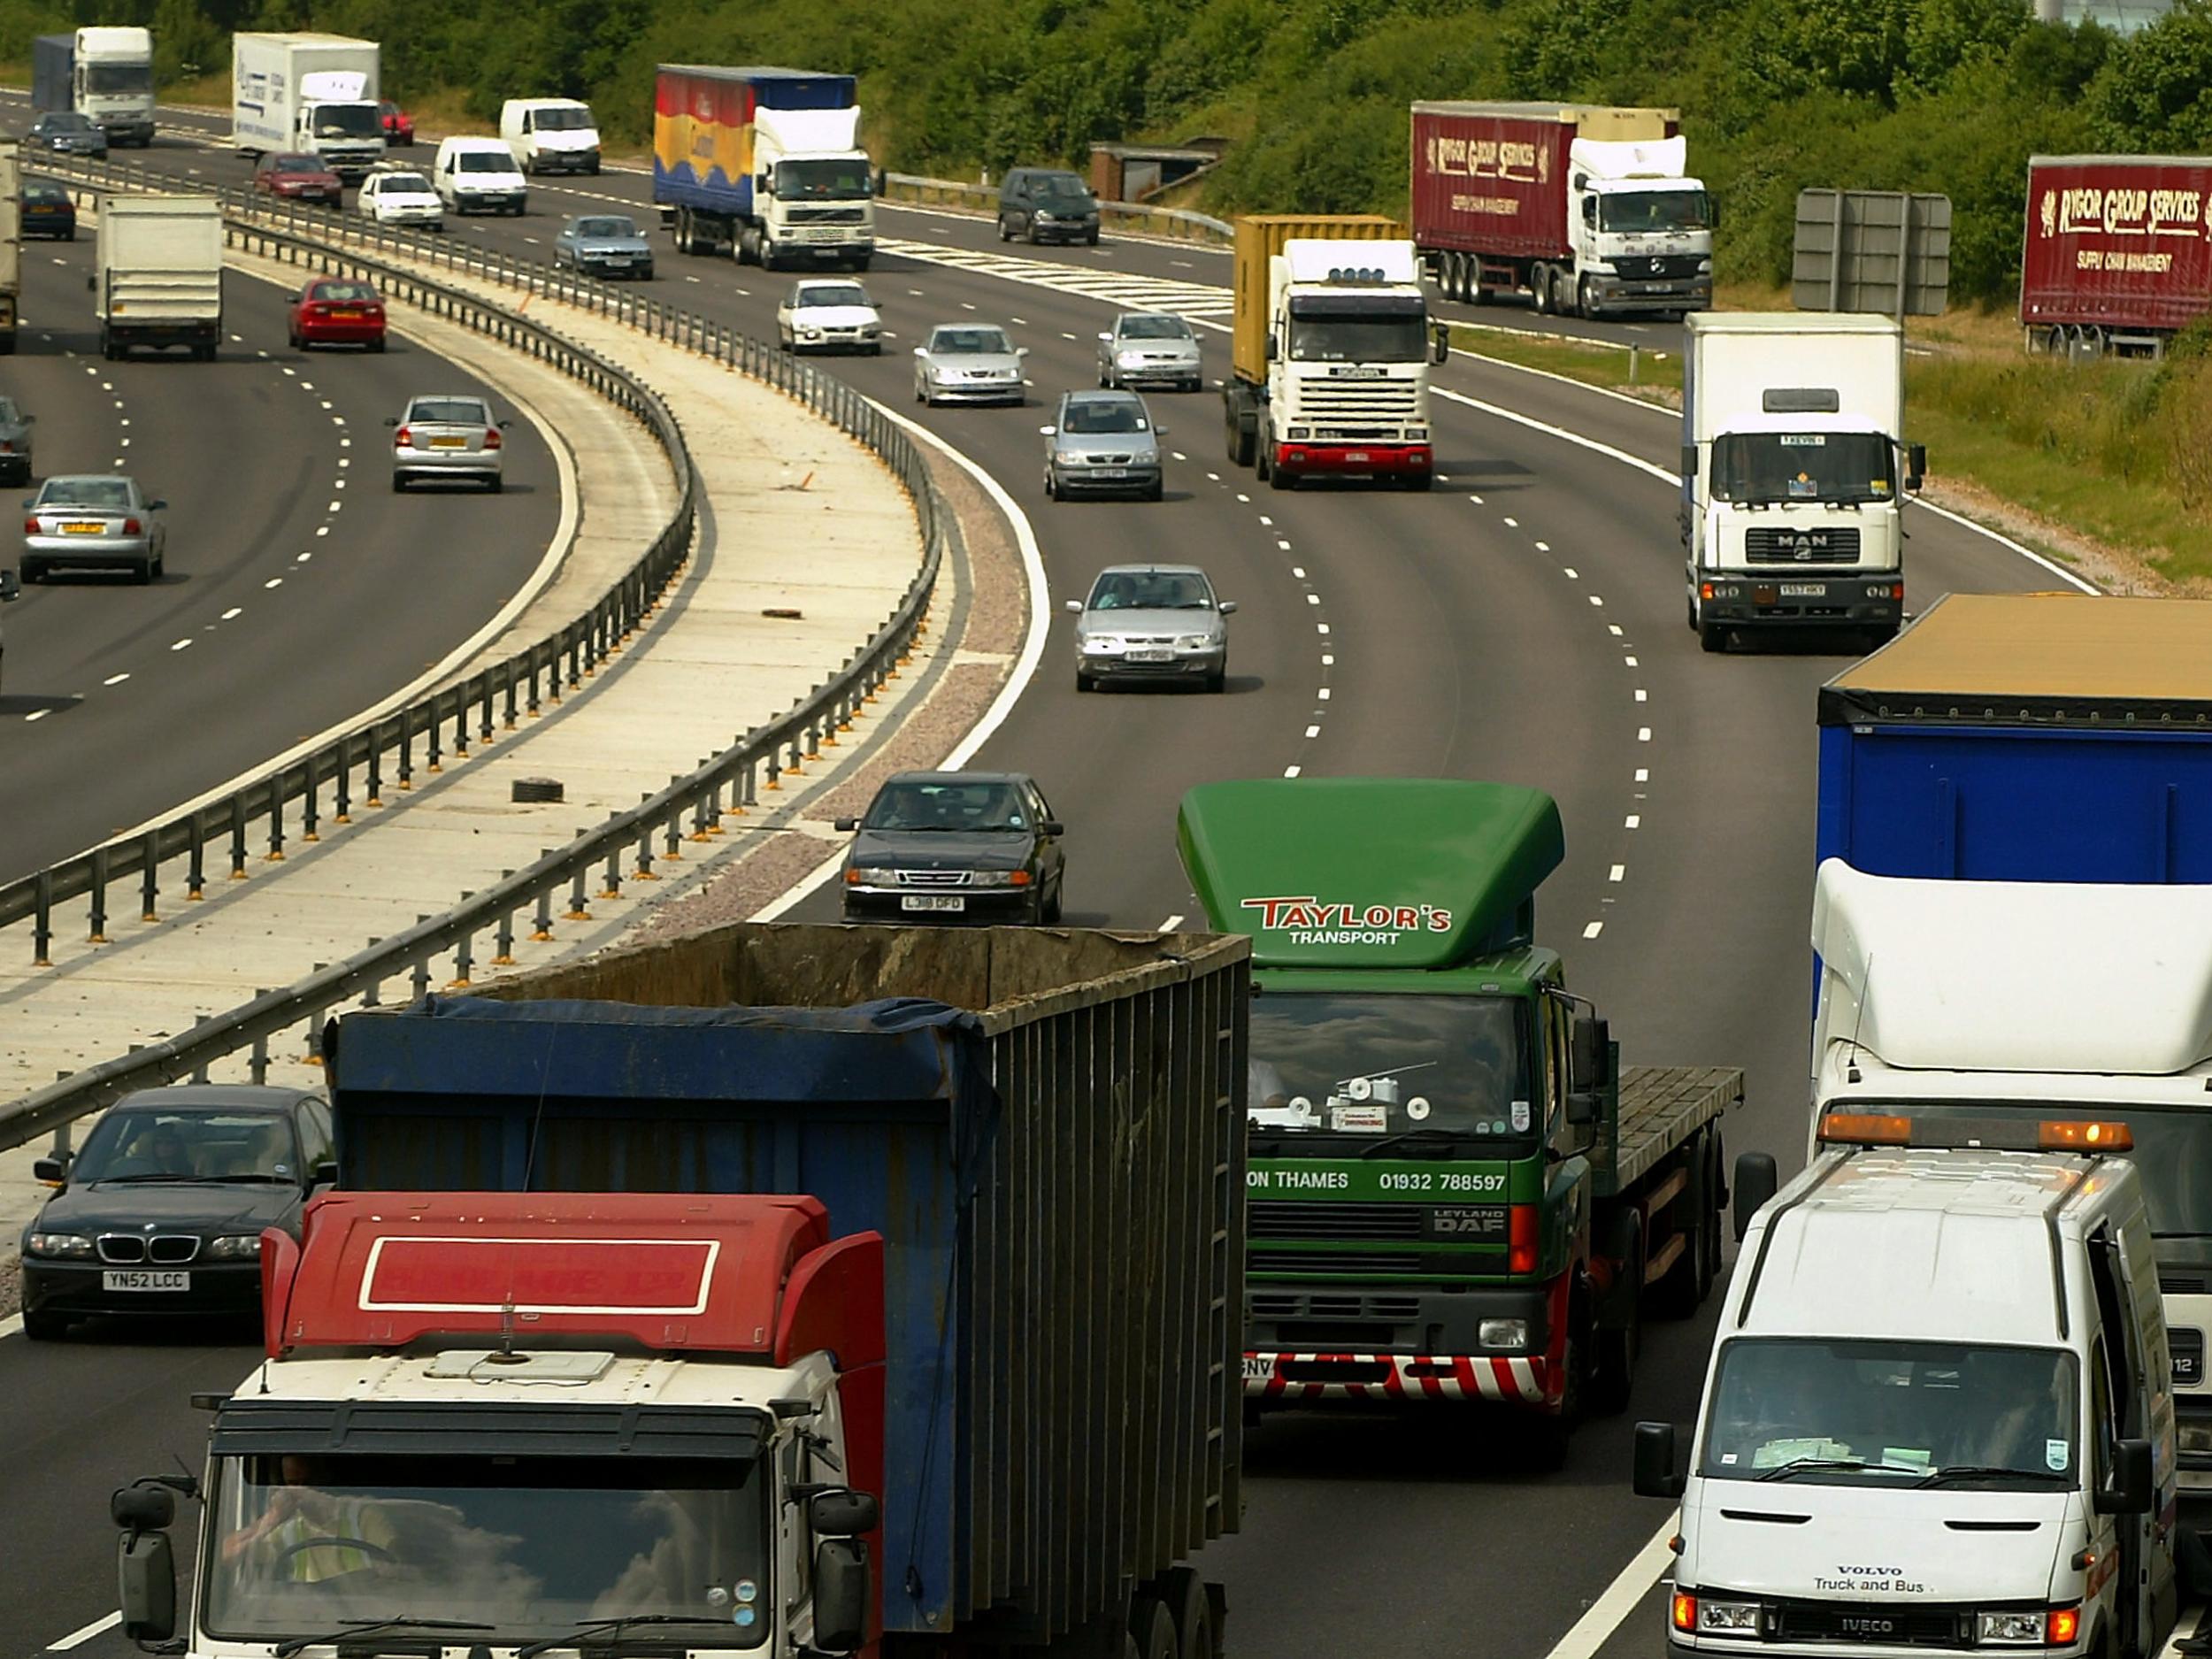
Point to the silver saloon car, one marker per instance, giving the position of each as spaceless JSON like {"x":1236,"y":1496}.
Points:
{"x":604,"y":245}
{"x":1150,"y":349}
{"x":1103,"y":443}
{"x":968,"y":363}
{"x":91,"y":522}
{"x":447,"y":435}
{"x":1158,"y":622}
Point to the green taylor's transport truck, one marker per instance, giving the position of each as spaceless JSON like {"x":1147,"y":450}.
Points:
{"x":1455,"y":1191}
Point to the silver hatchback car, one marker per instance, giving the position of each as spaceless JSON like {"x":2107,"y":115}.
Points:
{"x":93,"y":521}
{"x":1150,"y":349}
{"x":1152,"y":622}
{"x":1103,"y":443}
{"x":450,"y":434}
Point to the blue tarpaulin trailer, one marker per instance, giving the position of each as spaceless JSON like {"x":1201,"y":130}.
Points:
{"x":2042,"y":737}
{"x":1047,"y":1126}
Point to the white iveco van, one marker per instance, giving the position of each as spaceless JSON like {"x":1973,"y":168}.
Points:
{"x":1937,"y":1416}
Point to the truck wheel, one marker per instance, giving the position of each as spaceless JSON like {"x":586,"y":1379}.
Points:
{"x":1239,"y":441}
{"x":1540,"y":289}
{"x":1583,"y":305}
{"x":1712,"y":636}
{"x":1549,"y":1443}
{"x":1617,"y":1349}
{"x":1152,"y":1626}
{"x":1677,"y":1297}
{"x":1185,"y":1594}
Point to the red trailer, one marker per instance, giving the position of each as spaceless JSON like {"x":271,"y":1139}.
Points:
{"x":1584,"y":207}
{"x":2118,"y":253}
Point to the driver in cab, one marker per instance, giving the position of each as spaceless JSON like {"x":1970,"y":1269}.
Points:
{"x":310,"y":1536}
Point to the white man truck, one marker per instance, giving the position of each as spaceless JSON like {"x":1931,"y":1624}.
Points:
{"x":1330,"y":351}
{"x":104,"y":74}
{"x":312,"y":93}
{"x":1794,"y":472}
{"x":1936,"y":1415}
{"x":1942,"y":1000}
{"x":160,"y":280}
{"x":1585,"y":208}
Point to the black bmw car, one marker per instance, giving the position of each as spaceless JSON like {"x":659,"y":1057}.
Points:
{"x":954,"y":847}
{"x":161,"y":1211}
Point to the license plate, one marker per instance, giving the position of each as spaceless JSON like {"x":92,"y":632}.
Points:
{"x":1152,"y":657}
{"x":933,"y":901}
{"x":1358,"y":455}
{"x":139,"y":1280}
{"x":349,"y":317}
{"x":85,"y":529}
{"x":448,"y":443}
{"x":1259,"y":1368}
{"x":1804,"y":590}
{"x":1109,"y":471}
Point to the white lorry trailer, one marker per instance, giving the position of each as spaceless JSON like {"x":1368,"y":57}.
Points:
{"x":316,"y":94}
{"x":159,"y":279}
{"x":104,"y":74}
{"x":1949,"y":1001}
{"x":1794,"y":472}
{"x":1936,"y":1417}
{"x":10,"y":241}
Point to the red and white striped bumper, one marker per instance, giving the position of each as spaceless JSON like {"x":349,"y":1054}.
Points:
{"x":1516,"y":1381}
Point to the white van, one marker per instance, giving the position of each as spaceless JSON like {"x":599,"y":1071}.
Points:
{"x":1938,"y":1413}
{"x":552,"y":134}
{"x":478,"y":175}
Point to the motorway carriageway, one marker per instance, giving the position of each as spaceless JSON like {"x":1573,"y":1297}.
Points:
{"x":1524,"y":622}
{"x":298,"y":590}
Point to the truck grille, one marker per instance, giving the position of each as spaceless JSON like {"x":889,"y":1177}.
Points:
{"x":1333,"y":1221}
{"x":827,"y":215}
{"x":1265,"y":1262}
{"x":1331,"y":1304}
{"x":1827,"y":544}
{"x":1386,"y":403}
{"x":1645,"y":267}
{"x":1846,"y":1621}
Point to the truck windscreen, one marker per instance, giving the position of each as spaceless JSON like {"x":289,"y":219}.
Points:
{"x":1763,"y":468}
{"x":1647,"y":212}
{"x":349,"y":120}
{"x":1360,"y":1063}
{"x":530,"y":1547}
{"x":1358,"y":328}
{"x":108,"y":79}
{"x":1876,"y":1413}
{"x":823,"y":180}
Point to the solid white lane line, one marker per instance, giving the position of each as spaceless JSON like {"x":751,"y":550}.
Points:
{"x":1625,"y":1595}
{"x":87,"y":1634}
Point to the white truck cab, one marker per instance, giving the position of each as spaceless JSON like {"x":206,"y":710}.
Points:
{"x":552,"y":134}
{"x":1794,"y":472}
{"x":1936,"y":1414}
{"x":1639,"y":227}
{"x":813,"y":189}
{"x":1941,"y":999}
{"x":115,"y":82}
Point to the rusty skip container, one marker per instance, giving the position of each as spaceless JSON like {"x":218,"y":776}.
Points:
{"x":1057,"y":1165}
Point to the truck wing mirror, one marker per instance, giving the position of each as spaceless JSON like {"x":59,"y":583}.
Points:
{"x":841,"y":1512}
{"x":1655,"y":1474}
{"x":1916,"y":465}
{"x":1591,"y":1053}
{"x":842,"y":1595}
{"x":12,"y":588}
{"x":2128,"y":1488}
{"x":1274,"y":347}
{"x":1585,"y":1107}
{"x":146,"y":1585}
{"x":881,"y":183}
{"x":1689,"y":460}
{"x":143,"y":1508}
{"x":1440,"y":345}
{"x":1756,"y":1179}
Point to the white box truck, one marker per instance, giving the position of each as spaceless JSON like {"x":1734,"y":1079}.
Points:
{"x":312,"y":93}
{"x":11,"y":241}
{"x":1936,"y":1416}
{"x":106,"y":74}
{"x":1794,"y":472}
{"x":160,"y":280}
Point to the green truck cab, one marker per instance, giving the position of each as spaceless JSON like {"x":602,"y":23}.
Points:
{"x":1454,"y":1192}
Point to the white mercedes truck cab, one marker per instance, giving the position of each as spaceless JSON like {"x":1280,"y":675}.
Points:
{"x":1936,"y":1414}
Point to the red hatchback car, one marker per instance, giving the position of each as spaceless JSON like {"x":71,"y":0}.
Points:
{"x":399,"y":126}
{"x":337,"y":311}
{"x":298,"y":177}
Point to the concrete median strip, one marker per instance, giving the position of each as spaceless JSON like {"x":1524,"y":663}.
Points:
{"x":783,"y":585}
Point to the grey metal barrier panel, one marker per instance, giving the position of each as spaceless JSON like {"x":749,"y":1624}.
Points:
{"x":728,"y":786}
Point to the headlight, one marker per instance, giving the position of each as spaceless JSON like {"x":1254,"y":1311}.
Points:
{"x":1705,"y":267}
{"x":1298,"y":435}
{"x":235,"y":1247}
{"x":60,"y":1244}
{"x":1417,"y":434}
{"x":1727,"y":1618}
{"x":2022,"y":1628}
{"x":2193,"y":1436}
{"x":999,"y":879}
{"x":1097,"y":645}
{"x":870,"y":876}
{"x":1067,"y":458}
{"x":1502,"y":1333}
{"x":1194,"y":641}
{"x":811,"y":333}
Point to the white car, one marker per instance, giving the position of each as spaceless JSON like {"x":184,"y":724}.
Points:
{"x":401,"y":198}
{"x":829,"y":315}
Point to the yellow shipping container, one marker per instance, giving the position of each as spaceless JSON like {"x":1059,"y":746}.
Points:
{"x":1260,"y":237}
